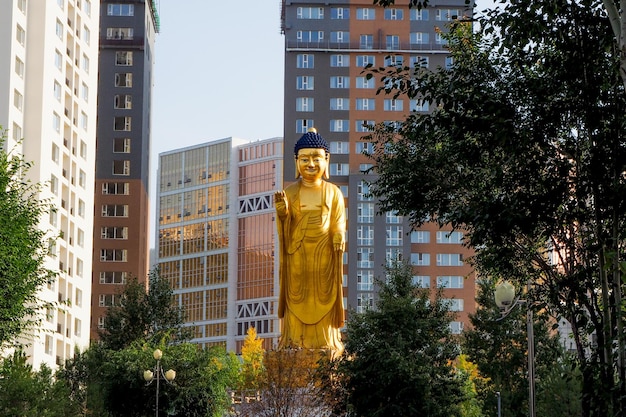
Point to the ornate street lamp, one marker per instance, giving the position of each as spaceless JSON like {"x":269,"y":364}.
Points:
{"x":158,"y":374}
{"x":506,"y":301}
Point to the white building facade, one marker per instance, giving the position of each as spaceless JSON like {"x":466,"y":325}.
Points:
{"x":48,"y":90}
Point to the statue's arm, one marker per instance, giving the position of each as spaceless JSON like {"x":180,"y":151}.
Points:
{"x":339,"y":226}
{"x":281,"y":203}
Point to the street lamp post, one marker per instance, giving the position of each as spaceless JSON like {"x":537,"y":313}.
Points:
{"x":158,"y":374}
{"x":506,"y":301}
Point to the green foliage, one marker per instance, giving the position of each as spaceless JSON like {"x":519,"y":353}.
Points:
{"x":143,"y":315}
{"x":113,"y":384}
{"x":26,"y":393}
{"x":24,"y":247}
{"x":398,"y":358}
{"x":525,"y":149}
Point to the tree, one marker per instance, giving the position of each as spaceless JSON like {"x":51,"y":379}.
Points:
{"x":524,"y":148}
{"x":399,"y":356}
{"x":24,"y":248}
{"x":142,"y":314}
{"x":498,"y":347}
{"x":288,"y":386}
{"x":473,"y":381}
{"x":28,"y":393}
{"x":252,"y":353}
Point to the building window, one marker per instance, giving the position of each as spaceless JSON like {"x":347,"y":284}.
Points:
{"x":114,"y":233}
{"x":363,"y":191}
{"x":54,"y":185}
{"x":339,"y":82}
{"x":363,"y":82}
{"x":365,"y":148}
{"x":87,"y":7}
{"x":364,"y":302}
{"x":112,"y":277}
{"x":449,"y":62}
{"x":305,"y":61}
{"x":56,"y":122}
{"x":418,"y":38}
{"x":115,"y":188}
{"x":450,"y":281}
{"x":121,"y":145}
{"x":82,"y":178}
{"x":124,"y":58}
{"x":108,"y":300}
{"x":123,"y":101}
{"x":420,"y":236}
{"x":365,"y":213}
{"x":121,"y":9}
{"x":421,"y":281}
{"x":392,"y":42}
{"x":365,"y":104}
{"x":54,"y":152}
{"x":440,"y":40}
{"x":58,"y":59}
{"x":83,"y":149}
{"x":122,"y":123}
{"x":120,"y":33}
{"x":124,"y":79}
{"x":454,"y":304}
{"x":418,"y":105}
{"x":21,"y":4}
{"x":339,"y":13}
{"x":394,"y":60}
{"x":310,"y":13}
{"x":449,"y":237}
{"x":339,"y":104}
{"x":394,"y":104}
{"x":80,"y":238}
{"x":415,"y":14}
{"x":456,"y":327}
{"x":363,"y":13}
{"x":365,"y":280}
{"x":121,"y":167}
{"x":85,"y":92}
{"x":392,"y":217}
{"x":339,"y":169}
{"x":365,"y":235}
{"x":115,"y":210}
{"x":85,"y":63}
{"x":449,"y":259}
{"x":305,"y":82}
{"x":339,"y":60}
{"x":19,"y":67}
{"x":312,"y":36}
{"x":364,"y":60}
{"x":365,"y":257}
{"x":339,"y":36}
{"x":366,"y":41}
{"x":447,"y":14}
{"x":113,"y":255}
{"x":18,"y":100}
{"x":393,"y":236}
{"x":419,"y":61}
{"x":420,"y":259}
{"x":59,"y":29}
{"x":86,"y":35}
{"x":340,"y":125}
{"x":394,"y":14}
{"x":302,"y":125}
{"x":81,"y":208}
{"x":339,"y":148}
{"x":83,"y":120}
{"x":78,"y":327}
{"x":20,"y":35}
{"x":305,"y":104}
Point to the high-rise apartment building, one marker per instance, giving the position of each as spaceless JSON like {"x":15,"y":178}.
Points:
{"x":327,"y":46}
{"x":215,"y":239}
{"x":121,"y":206}
{"x":48,"y":82}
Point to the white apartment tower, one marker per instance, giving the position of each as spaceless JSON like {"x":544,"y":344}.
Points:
{"x":48,"y":85}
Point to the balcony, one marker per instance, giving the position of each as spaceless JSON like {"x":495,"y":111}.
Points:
{"x":356,"y":46}
{"x":134,"y":42}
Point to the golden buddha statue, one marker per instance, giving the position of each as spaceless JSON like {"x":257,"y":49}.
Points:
{"x":311,"y":225}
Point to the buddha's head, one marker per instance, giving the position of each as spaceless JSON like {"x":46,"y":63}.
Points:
{"x":312,"y":156}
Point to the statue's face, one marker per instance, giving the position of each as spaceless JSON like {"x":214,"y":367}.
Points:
{"x":312,"y":163}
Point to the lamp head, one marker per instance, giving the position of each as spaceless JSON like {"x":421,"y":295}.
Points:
{"x":504,"y":294}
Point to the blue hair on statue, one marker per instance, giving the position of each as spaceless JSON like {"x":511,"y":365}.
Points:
{"x":312,"y":140}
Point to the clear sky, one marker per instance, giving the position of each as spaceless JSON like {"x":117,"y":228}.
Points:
{"x":218,"y":72}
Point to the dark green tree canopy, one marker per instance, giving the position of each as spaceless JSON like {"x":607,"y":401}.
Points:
{"x":144,"y":314}
{"x":525,"y":148}
{"x":399,"y":355}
